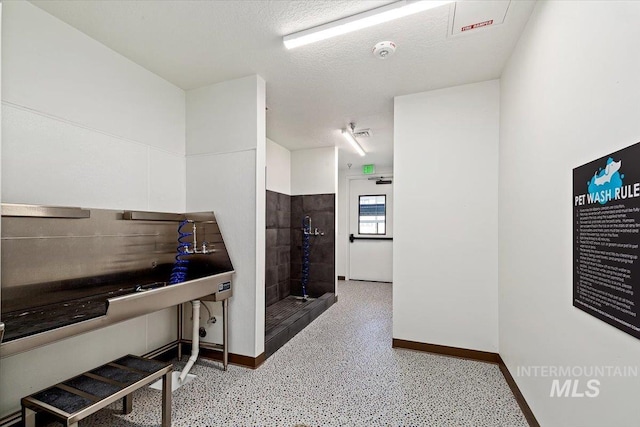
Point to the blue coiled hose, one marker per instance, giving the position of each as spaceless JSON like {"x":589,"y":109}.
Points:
{"x":306,"y":252}
{"x":179,"y":271}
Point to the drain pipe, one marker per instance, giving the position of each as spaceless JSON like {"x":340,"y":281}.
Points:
{"x":195,"y":340}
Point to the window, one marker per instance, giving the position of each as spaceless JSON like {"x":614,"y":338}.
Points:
{"x":372,"y":215}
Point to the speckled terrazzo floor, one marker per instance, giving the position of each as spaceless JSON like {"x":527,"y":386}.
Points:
{"x":339,"y":371}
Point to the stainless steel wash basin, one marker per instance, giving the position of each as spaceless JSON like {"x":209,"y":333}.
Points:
{"x":66,"y":275}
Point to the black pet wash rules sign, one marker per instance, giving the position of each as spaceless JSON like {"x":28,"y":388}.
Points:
{"x":606,"y":235}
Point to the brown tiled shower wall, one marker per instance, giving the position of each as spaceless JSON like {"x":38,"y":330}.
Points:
{"x":284,"y":245}
{"x":278,"y":247}
{"x":322,"y":272}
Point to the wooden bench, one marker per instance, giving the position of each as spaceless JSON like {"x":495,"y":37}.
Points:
{"x":76,"y":398}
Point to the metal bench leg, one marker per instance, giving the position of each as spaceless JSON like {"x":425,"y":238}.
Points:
{"x":166,"y":399}
{"x":29,"y":417}
{"x":225,"y":333}
{"x":127,"y":404}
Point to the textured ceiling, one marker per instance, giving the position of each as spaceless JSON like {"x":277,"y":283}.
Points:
{"x":314,"y":90}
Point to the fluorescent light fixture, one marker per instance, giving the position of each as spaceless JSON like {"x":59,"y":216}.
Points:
{"x":347,"y":135}
{"x":361,"y":20}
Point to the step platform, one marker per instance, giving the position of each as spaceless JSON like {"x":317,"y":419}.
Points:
{"x":75,"y":399}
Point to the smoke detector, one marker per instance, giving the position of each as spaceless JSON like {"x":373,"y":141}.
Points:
{"x":383,"y":50}
{"x":362,"y":133}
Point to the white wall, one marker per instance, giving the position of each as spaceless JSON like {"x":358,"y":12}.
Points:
{"x":342,"y":224}
{"x":83,"y":126}
{"x":314,"y":171}
{"x":569,"y":95}
{"x":55,"y":69}
{"x":445,"y":269}
{"x":278,"y":168}
{"x":226,"y":174}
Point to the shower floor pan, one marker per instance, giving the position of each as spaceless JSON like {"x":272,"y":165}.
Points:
{"x":287,"y":317}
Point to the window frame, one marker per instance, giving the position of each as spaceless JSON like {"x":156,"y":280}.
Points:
{"x":385,"y":215}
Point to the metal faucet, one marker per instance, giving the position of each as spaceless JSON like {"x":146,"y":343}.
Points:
{"x":204,"y":250}
{"x":315,"y":231}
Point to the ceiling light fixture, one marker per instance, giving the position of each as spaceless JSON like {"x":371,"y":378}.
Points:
{"x":361,"y":20}
{"x":347,"y":133}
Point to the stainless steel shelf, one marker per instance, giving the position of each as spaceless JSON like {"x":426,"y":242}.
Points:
{"x":35,"y":211}
{"x":152,"y":216}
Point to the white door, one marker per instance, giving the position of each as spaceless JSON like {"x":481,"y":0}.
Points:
{"x":371,"y":224}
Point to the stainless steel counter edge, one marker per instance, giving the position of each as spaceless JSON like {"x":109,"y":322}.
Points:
{"x":124,"y":308}
{"x":36,"y":211}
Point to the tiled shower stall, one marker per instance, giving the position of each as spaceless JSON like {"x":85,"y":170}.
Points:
{"x":286,"y":313}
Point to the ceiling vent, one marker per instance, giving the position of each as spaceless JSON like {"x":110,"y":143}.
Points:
{"x":362,"y":133}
